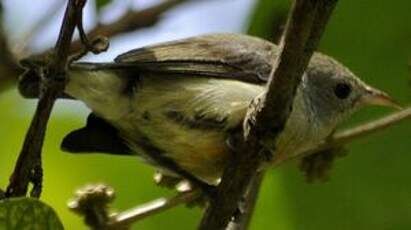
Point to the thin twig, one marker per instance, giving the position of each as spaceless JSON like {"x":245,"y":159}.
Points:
{"x":130,"y":21}
{"x":348,"y":135}
{"x":126,"y":218}
{"x":28,"y":167}
{"x":302,"y":34}
{"x":362,"y":130}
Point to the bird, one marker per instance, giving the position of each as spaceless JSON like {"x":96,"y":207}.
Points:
{"x":176,"y":104}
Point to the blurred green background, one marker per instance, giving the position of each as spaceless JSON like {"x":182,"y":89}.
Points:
{"x":368,"y":189}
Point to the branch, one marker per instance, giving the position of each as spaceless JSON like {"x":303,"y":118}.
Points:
{"x":303,"y":32}
{"x":243,"y":218}
{"x":131,"y":21}
{"x":93,"y":201}
{"x":28,"y":167}
{"x":126,"y":218}
{"x":348,"y":135}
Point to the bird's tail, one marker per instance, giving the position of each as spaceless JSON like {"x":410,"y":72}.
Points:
{"x":29,"y":82}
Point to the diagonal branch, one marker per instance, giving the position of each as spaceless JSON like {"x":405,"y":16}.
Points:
{"x":28,"y":167}
{"x":303,"y":32}
{"x":126,"y":218}
{"x":348,"y":135}
{"x":243,"y":219}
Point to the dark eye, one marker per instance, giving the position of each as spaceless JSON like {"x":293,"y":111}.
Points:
{"x":342,"y":90}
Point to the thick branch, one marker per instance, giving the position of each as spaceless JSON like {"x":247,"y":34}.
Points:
{"x":28,"y":167}
{"x":303,"y":32}
{"x":242,"y":220}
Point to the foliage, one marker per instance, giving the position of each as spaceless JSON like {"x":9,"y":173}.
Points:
{"x":26,"y":213}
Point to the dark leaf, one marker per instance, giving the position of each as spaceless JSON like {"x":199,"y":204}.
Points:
{"x":27,"y":213}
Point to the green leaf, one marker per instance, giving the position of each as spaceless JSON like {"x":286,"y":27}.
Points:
{"x":27,"y":213}
{"x":101,"y":3}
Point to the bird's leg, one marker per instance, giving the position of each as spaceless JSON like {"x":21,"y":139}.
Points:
{"x":317,"y":166}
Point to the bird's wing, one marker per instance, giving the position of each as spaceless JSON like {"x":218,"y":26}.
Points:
{"x":242,"y":57}
{"x":227,"y":56}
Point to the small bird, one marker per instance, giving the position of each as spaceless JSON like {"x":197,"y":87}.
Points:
{"x":176,"y":104}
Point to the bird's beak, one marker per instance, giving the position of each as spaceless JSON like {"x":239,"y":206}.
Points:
{"x":374,"y":96}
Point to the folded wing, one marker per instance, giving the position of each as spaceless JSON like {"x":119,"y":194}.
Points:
{"x":229,"y":56}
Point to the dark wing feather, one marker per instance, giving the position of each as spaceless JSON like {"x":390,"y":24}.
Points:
{"x":236,"y":56}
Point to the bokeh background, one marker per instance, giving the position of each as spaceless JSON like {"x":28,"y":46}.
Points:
{"x":368,"y":189}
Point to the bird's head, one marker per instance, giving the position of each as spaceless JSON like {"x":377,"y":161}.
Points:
{"x":332,"y":92}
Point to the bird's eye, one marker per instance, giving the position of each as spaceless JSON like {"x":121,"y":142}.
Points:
{"x":342,"y":90}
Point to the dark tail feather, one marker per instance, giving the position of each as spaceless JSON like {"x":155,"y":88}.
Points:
{"x":96,"y":136}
